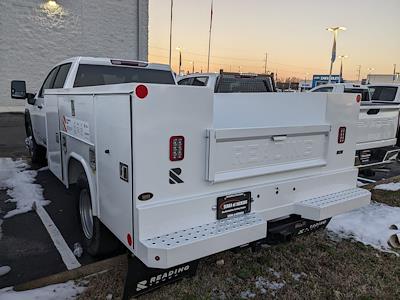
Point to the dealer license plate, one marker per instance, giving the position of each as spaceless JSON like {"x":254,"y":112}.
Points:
{"x":233,"y":205}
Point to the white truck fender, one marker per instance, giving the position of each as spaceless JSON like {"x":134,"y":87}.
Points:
{"x":90,"y":179}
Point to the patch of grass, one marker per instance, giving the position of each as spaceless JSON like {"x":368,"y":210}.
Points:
{"x":331,"y":269}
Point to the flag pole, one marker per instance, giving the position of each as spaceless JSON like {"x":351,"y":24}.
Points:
{"x":170,"y":34}
{"x":209,"y":37}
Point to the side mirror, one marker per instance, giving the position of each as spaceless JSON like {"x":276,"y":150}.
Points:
{"x":18,"y":89}
{"x":31,"y":98}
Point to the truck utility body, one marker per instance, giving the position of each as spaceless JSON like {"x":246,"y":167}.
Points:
{"x":177,"y":173}
{"x":377,"y":126}
{"x":263,"y":167}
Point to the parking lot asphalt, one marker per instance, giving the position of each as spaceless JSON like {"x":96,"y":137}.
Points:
{"x":25,"y":245}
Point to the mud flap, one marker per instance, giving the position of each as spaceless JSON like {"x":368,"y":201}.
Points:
{"x":141,"y":279}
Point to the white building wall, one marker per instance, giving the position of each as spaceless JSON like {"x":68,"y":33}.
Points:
{"x":383,"y":78}
{"x":36,"y":34}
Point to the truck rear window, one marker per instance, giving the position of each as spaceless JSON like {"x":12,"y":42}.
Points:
{"x":383,"y":93}
{"x":237,"y":84}
{"x":364,"y":93}
{"x":92,"y":75}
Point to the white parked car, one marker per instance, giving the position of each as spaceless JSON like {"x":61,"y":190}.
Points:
{"x":177,"y":173}
{"x":377,"y":125}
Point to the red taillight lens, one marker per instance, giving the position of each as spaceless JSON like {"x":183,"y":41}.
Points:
{"x":342,"y":135}
{"x":141,"y":91}
{"x":176,"y":148}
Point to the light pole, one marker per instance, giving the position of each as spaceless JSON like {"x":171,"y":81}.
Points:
{"x":180,"y":59}
{"x":370,"y":70}
{"x":359,"y":72}
{"x":209,"y":35}
{"x":341,"y":57}
{"x":192,"y":63}
{"x":170,"y":33}
{"x":335,"y":31}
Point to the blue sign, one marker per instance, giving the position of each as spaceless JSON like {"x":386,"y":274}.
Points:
{"x":323,"y":79}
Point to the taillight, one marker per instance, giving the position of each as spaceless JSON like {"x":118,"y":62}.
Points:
{"x":176,"y":148}
{"x":141,"y":91}
{"x":342,"y":135}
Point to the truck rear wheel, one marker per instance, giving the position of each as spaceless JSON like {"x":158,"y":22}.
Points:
{"x":37,"y":152}
{"x":97,"y":239}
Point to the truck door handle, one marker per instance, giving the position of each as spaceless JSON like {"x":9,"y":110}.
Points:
{"x":107,"y":151}
{"x":373,"y":111}
{"x":279,"y":138}
{"x":40,"y":107}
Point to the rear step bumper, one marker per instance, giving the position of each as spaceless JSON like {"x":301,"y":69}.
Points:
{"x":193,"y":243}
{"x":324,"y":207}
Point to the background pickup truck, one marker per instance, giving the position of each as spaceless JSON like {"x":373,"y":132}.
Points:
{"x":224,"y":82}
{"x":81,"y":72}
{"x":377,"y":126}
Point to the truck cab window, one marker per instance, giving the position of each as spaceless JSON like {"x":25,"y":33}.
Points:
{"x":364,"y":93}
{"x":186,"y":81}
{"x":324,"y":90}
{"x":383,"y":93}
{"x":93,"y":75}
{"x":61,"y":76}
{"x":48,"y":83}
{"x":200,"y":81}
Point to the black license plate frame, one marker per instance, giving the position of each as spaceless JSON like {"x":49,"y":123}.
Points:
{"x":233,"y":205}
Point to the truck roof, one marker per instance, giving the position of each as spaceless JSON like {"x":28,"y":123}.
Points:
{"x":114,"y":61}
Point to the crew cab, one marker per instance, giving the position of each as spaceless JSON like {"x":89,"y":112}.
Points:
{"x":377,"y":126}
{"x":177,"y":173}
{"x":228,"y":82}
{"x":81,"y":72}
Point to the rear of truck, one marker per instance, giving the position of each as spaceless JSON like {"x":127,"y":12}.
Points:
{"x":377,"y":134}
{"x":210,"y":172}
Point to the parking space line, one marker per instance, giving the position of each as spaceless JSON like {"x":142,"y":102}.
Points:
{"x":67,"y":256}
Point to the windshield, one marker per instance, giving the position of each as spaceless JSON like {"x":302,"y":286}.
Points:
{"x":92,"y":75}
{"x":239,"y":84}
{"x":383,"y":93}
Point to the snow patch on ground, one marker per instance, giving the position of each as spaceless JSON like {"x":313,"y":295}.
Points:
{"x":247,"y":295}
{"x":392,"y":186}
{"x":4,"y":270}
{"x":66,"y":291}
{"x":298,"y":276}
{"x":20,"y":186}
{"x":369,"y":225}
{"x":264,"y":285}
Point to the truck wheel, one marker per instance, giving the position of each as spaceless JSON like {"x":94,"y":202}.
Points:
{"x":37,"y":152}
{"x":97,"y":239}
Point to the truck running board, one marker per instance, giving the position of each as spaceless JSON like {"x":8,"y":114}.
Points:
{"x":324,"y":207}
{"x":200,"y":241}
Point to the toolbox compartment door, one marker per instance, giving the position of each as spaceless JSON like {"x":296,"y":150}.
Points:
{"x":247,"y":152}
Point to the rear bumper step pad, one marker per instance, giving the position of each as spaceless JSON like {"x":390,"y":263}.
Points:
{"x":200,"y":241}
{"x":324,"y":207}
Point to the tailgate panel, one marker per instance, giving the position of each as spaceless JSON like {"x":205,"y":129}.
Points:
{"x":377,"y":124}
{"x":241,"y":153}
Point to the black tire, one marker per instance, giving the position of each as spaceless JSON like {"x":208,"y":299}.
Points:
{"x":102,"y":242}
{"x":37,"y":152}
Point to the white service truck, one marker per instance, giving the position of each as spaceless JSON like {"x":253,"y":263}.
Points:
{"x":377,"y":126}
{"x":178,"y":173}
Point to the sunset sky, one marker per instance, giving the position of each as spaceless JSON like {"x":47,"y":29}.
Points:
{"x":292,"y":32}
